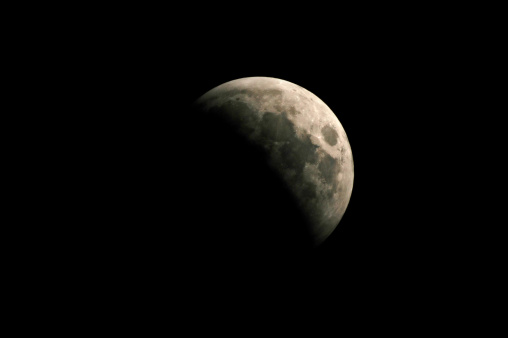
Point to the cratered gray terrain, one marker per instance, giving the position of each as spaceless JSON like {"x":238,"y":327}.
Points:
{"x":300,"y":141}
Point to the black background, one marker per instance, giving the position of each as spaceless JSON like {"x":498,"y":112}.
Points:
{"x":129,"y":209}
{"x":140,"y":165}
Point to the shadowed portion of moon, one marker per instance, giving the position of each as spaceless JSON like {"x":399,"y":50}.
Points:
{"x":281,"y":162}
{"x":247,"y":215}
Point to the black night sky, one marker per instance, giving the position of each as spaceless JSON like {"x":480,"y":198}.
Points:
{"x":155,"y":209}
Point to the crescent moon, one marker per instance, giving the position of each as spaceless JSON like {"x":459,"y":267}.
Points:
{"x":304,"y":141}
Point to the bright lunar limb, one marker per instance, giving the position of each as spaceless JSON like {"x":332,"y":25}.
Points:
{"x":303,"y":139}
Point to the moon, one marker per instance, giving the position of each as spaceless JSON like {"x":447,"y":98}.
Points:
{"x":301,"y":138}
